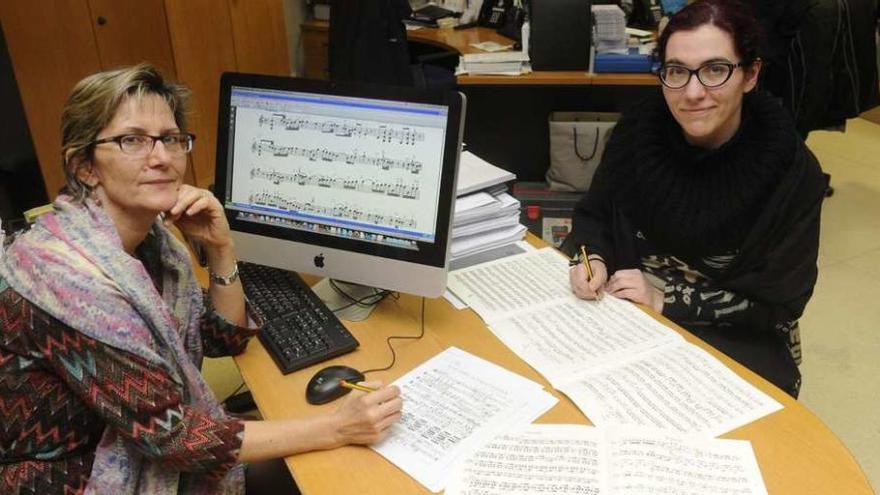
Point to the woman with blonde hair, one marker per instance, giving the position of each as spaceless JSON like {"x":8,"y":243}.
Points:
{"x":103,"y":326}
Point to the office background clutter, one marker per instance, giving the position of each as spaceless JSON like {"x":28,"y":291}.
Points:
{"x":45,"y":50}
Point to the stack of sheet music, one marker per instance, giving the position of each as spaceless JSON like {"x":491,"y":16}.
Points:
{"x":511,"y":63}
{"x":621,"y":367}
{"x":656,"y":401}
{"x":486,"y":216}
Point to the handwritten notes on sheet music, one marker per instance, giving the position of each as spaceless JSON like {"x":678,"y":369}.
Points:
{"x":454,"y":402}
{"x":581,"y":460}
{"x":619,"y":365}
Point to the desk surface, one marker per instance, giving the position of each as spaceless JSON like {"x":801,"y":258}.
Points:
{"x":796,"y":452}
{"x":460,"y":41}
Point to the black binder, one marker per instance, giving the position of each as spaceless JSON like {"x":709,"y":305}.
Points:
{"x":560,"y":36}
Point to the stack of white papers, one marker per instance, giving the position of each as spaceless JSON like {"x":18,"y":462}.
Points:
{"x":579,"y":460}
{"x":611,"y":34}
{"x":475,"y":174}
{"x":617,"y":364}
{"x":454,"y":403}
{"x":486,"y":216}
{"x":511,"y":63}
{"x":484,"y":221}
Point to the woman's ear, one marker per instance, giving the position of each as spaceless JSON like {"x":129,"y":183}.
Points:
{"x":83,"y":170}
{"x":752,"y":72}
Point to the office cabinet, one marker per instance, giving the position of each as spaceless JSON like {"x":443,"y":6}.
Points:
{"x":316,"y":61}
{"x":55,"y":44}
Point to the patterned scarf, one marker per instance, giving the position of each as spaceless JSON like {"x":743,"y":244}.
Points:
{"x":72,"y":265}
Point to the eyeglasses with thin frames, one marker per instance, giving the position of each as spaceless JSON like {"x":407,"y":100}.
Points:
{"x":179,"y":143}
{"x":711,"y":75}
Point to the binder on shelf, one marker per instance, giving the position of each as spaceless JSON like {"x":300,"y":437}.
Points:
{"x":633,"y":61}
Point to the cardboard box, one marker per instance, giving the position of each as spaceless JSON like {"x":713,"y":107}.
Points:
{"x":544,"y":212}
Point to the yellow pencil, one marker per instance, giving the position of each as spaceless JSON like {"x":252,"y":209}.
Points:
{"x":586,"y":263}
{"x":355,"y":386}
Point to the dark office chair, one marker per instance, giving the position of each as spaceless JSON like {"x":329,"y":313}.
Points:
{"x":368,"y":44}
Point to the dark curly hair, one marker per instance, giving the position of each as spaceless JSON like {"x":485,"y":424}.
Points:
{"x":730,"y":16}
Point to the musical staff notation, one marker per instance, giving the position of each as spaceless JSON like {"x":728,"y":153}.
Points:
{"x":384,"y":133}
{"x":337,"y":210}
{"x":354,"y":158}
{"x":398,"y":188}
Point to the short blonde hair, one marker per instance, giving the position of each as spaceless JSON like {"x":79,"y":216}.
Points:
{"x":92,"y":105}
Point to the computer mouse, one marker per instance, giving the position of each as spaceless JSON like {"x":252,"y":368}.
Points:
{"x":324,"y":386}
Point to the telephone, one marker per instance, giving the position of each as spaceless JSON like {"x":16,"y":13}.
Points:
{"x":494,"y":12}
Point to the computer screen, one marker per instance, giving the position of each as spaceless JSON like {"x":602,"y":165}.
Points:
{"x":351,"y":182}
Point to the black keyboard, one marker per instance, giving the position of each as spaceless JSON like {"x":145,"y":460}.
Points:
{"x":299,"y":329}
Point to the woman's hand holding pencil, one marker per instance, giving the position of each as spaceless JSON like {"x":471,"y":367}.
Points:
{"x":588,"y":277}
{"x":367,"y":413}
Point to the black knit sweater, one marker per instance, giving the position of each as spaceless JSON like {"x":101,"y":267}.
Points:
{"x":689,"y":200}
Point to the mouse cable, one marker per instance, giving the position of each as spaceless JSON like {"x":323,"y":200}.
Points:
{"x":364,"y":302}
{"x":402,"y":337}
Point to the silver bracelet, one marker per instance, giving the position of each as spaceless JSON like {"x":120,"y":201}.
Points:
{"x":228,"y":280}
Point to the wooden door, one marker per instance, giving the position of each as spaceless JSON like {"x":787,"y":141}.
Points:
{"x":128,"y":33}
{"x":52,"y":47}
{"x":210,"y":37}
{"x":260,"y":36}
{"x":58,"y":42}
{"x":203,"y":49}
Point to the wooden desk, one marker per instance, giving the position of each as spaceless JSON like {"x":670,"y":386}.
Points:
{"x":796,"y":452}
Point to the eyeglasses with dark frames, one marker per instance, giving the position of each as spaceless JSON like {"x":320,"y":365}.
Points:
{"x":178,"y":143}
{"x":711,"y":75}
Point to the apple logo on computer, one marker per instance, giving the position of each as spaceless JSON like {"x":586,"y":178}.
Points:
{"x":319,"y":260}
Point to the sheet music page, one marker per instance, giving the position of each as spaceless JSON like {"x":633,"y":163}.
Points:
{"x":516,"y":283}
{"x":452,"y":403}
{"x":552,"y":459}
{"x":583,"y":460}
{"x":679,"y":387}
{"x":569,"y":337}
{"x":652,"y":464}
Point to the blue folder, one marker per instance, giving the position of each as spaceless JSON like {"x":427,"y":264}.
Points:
{"x":616,"y":62}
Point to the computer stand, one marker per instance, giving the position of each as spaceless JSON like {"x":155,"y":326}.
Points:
{"x":348,"y":301}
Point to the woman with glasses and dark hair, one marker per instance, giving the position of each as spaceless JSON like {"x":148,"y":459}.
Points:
{"x":103,"y":325}
{"x":706,"y":204}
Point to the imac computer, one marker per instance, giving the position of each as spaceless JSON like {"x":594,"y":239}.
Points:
{"x":355,"y":183}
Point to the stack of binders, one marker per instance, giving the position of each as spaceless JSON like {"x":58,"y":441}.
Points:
{"x":610,"y":29}
{"x":486,"y":215}
{"x":632,"y":61}
{"x":498,"y":63}
{"x":613,"y":53}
